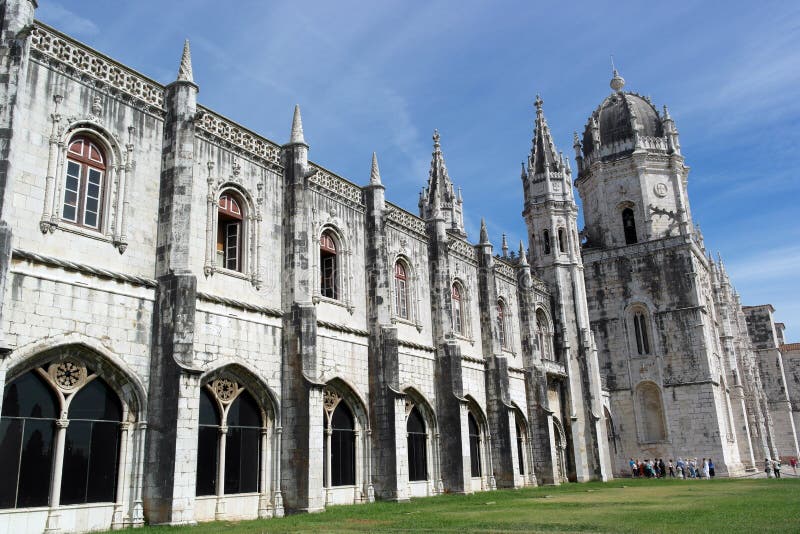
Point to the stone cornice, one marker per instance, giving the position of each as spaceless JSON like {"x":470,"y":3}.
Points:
{"x":82,"y":268}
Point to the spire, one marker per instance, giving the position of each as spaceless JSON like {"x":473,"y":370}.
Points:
{"x":185,"y":70}
{"x":375,"y":173}
{"x":505,"y":246}
{"x":543,"y":151}
{"x":484,"y":239}
{"x":524,"y":173}
{"x":523,"y":258}
{"x":440,"y":191}
{"x":297,"y":128}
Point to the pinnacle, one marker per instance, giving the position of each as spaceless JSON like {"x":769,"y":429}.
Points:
{"x":297,"y":128}
{"x":617,"y":82}
{"x":185,"y":69}
{"x":523,"y":260}
{"x":375,"y":173}
{"x":484,"y":239}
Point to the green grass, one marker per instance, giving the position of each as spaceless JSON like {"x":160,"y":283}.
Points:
{"x":722,"y":505}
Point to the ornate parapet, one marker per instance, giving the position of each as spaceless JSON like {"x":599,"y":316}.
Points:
{"x":58,"y":49}
{"x":404,"y":220}
{"x":238,"y":137}
{"x":328,"y":182}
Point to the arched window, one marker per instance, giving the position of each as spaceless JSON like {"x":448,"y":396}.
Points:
{"x":544,"y":335}
{"x":629,"y":226}
{"x":230,"y":227}
{"x":401,"y":290}
{"x":546,"y":242}
{"x":29,"y":430}
{"x":235,"y":445}
{"x":329,"y":269}
{"x":501,"y":324}
{"x":91,"y":447}
{"x":26,"y":442}
{"x":84,"y":184}
{"x":562,"y":240}
{"x":474,"y":446}
{"x":521,"y":449}
{"x":342,"y":454}
{"x":417,"y":446}
{"x":458,"y":309}
{"x":651,"y":413}
{"x":641,"y":333}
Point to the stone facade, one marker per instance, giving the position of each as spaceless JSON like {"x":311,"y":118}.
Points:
{"x":214,"y":268}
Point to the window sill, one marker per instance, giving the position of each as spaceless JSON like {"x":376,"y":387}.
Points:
{"x":396,"y":319}
{"x":464,"y":338}
{"x":317,"y":299}
{"x":72,"y":228}
{"x":232,"y":273}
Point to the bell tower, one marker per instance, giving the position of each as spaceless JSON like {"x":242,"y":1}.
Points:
{"x":551,"y":216}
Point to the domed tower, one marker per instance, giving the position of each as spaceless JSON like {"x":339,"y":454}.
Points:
{"x":631,"y":173}
{"x":649,"y":290}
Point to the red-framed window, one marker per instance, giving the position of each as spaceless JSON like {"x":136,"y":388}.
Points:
{"x":230,"y":219}
{"x":501,"y":323}
{"x":84,"y":184}
{"x":329,"y":266}
{"x":401,"y":290}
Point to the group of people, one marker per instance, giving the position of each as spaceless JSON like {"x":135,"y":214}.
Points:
{"x":657,"y":468}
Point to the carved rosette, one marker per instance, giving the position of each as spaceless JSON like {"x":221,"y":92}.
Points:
{"x":68,"y":375}
{"x":225,"y":389}
{"x":330,"y":400}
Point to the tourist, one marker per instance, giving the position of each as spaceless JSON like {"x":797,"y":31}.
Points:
{"x":662,"y":468}
{"x":767,"y":465}
{"x":692,"y":468}
{"x":711,"y":468}
{"x":671,"y":469}
{"x":632,"y":465}
{"x":705,"y":469}
{"x":793,"y":463}
{"x":776,"y":466}
{"x":681,"y":468}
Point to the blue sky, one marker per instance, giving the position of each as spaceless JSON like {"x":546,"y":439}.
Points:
{"x":380,"y":76}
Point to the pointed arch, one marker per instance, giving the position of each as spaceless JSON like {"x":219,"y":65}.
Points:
{"x":422,"y":453}
{"x":650,"y":412}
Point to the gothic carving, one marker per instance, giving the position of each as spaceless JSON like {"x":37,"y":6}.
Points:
{"x":405,"y":220}
{"x":225,"y":389}
{"x":337,"y":185}
{"x":87,"y":62}
{"x":330,"y":400}
{"x":69,"y":375}
{"x":237,"y":136}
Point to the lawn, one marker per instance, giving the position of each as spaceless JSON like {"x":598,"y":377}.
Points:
{"x":722,"y":505}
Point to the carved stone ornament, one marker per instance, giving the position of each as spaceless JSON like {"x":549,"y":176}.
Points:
{"x":225,"y":389}
{"x":409,"y":407}
{"x":330,"y":399}
{"x":660,"y":189}
{"x":68,"y":375}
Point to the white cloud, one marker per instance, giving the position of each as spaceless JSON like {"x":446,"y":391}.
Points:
{"x":66,"y":20}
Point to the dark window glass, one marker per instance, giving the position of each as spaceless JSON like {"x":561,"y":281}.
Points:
{"x":629,"y":226}
{"x":501,"y":323}
{"x":96,"y":401}
{"x":520,"y":450}
{"x":640,"y":330}
{"x":562,"y":241}
{"x":91,"y":446}
{"x":417,"y":446}
{"x":546,"y":242}
{"x":343,"y":447}
{"x":90,"y":462}
{"x":474,"y":446}
{"x":243,"y":444}
{"x":27,"y":429}
{"x":83,"y":183}
{"x":207,"y":446}
{"x":30,"y":396}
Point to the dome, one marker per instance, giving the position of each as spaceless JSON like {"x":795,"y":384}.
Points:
{"x":614,"y":120}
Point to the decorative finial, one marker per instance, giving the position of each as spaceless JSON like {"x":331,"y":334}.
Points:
{"x":523,"y":172}
{"x":297,"y":128}
{"x":617,"y":81}
{"x":375,"y":174}
{"x":666,"y":113}
{"x":436,"y":139}
{"x":185,"y":70}
{"x":484,"y":239}
{"x":538,"y":103}
{"x":523,"y":259}
{"x":505,"y":246}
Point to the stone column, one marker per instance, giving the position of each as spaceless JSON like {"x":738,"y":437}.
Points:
{"x":53,"y":515}
{"x":219,"y":512}
{"x":118,"y":520}
{"x":171,"y":449}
